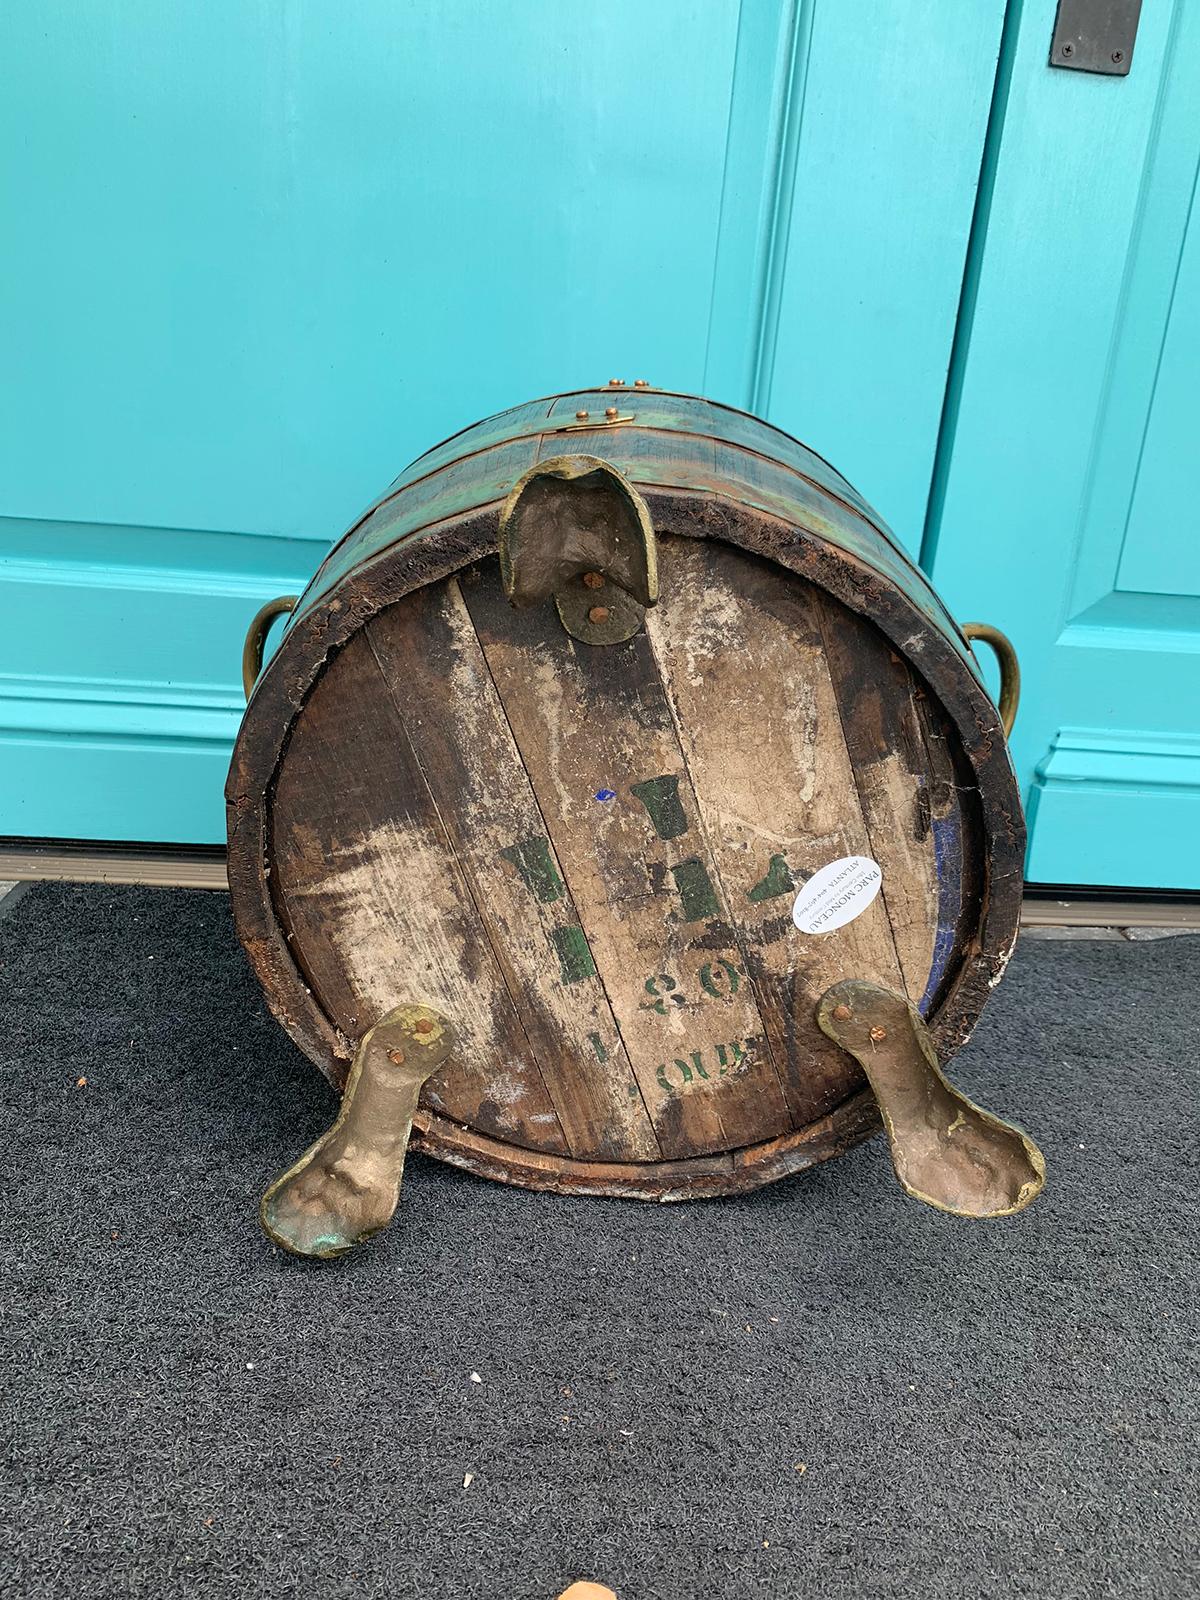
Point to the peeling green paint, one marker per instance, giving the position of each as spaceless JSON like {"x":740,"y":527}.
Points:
{"x":660,"y":986}
{"x":691,"y":1068}
{"x":696,"y":893}
{"x":778,"y":881}
{"x":724,"y":1061}
{"x":660,"y":796}
{"x":717,"y":977}
{"x":531,"y":857}
{"x":574,"y":958}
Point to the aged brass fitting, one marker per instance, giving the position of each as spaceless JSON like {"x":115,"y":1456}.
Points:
{"x":256,"y":637}
{"x":575,"y":528}
{"x":946,"y":1150}
{"x":346,"y":1187}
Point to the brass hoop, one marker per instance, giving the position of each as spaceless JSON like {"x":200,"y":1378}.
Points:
{"x":1010,"y":669}
{"x":256,"y":637}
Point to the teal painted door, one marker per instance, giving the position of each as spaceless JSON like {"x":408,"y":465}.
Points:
{"x":1067,"y":508}
{"x":261,"y":253}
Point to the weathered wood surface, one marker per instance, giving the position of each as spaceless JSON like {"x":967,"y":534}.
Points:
{"x":589,"y":855}
{"x":744,"y":660}
{"x":587,"y":858}
{"x":377,"y":909}
{"x":431,"y":659}
{"x":596,"y":735}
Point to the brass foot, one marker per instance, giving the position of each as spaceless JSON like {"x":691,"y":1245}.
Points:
{"x":347,"y":1186}
{"x":946,"y":1150}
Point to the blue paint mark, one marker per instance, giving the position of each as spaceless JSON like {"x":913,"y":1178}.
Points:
{"x":947,"y":856}
{"x":606,"y":794}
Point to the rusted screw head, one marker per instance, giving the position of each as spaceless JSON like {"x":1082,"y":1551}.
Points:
{"x":594,"y":580}
{"x":424,"y":1026}
{"x":396,"y":1057}
{"x":877,"y":1035}
{"x":581,"y":416}
{"x":610,"y":412}
{"x":841,"y":1013}
{"x":598,"y":614}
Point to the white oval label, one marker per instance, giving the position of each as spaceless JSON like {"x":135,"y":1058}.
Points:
{"x":837,"y":894}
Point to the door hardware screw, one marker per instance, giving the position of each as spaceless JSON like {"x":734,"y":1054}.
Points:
{"x":1068,"y":49}
{"x":594,"y":580}
{"x":1118,"y":56}
{"x":598,"y":614}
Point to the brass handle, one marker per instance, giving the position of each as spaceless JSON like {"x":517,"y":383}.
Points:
{"x":256,"y":637}
{"x":1010,"y":670}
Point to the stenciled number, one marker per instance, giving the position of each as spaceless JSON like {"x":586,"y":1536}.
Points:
{"x":719,"y":979}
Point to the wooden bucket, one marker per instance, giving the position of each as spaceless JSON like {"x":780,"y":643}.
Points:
{"x":587,"y":855}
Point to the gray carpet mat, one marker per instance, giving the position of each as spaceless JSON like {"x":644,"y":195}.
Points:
{"x":819,"y":1389}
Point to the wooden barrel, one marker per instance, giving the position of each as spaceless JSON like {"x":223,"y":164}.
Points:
{"x":588,"y":855}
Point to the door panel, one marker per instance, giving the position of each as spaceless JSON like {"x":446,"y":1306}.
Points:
{"x":1165,"y":500}
{"x":269,"y":252}
{"x":1067,"y":513}
{"x":889,"y":142}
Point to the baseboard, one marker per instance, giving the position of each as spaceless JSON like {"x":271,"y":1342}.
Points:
{"x":61,"y":860}
{"x":1113,"y":805}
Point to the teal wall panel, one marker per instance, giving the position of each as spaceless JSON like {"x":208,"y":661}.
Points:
{"x":889,"y":130}
{"x":1066,"y":508}
{"x":270,"y":250}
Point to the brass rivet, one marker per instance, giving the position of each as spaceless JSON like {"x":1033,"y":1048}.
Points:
{"x":424,"y":1026}
{"x":611,"y":411}
{"x":841,"y":1013}
{"x":582,"y":416}
{"x":396,"y":1057}
{"x":640,"y":383}
{"x":616,"y":383}
{"x":594,"y":580}
{"x":598,"y":614}
{"x":877,"y":1035}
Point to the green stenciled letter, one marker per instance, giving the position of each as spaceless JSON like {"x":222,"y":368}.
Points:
{"x":716,"y":977}
{"x":696,"y":892}
{"x":739,"y":1054}
{"x":660,"y":796}
{"x":531,"y":857}
{"x":778,"y":881}
{"x":574,"y":958}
